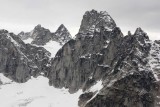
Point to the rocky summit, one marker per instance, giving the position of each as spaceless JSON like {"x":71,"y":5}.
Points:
{"x":40,"y":35}
{"x":112,"y":69}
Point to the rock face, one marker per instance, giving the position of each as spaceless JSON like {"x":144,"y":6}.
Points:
{"x":24,"y":35}
{"x":131,"y":82}
{"x":20,"y":61}
{"x":40,"y":35}
{"x":128,"y":66}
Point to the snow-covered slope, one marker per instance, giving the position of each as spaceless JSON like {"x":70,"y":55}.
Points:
{"x":52,"y":47}
{"x":35,"y":93}
{"x":29,"y":40}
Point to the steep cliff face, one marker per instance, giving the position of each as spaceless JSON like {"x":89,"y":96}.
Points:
{"x":127,"y":65}
{"x":18,"y":60}
{"x":85,"y":57}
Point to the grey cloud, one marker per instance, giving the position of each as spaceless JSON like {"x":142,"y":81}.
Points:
{"x":128,"y":14}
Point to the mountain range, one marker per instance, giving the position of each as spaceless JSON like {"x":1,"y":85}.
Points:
{"x":109,"y":68}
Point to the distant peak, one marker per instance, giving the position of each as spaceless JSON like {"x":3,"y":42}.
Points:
{"x":21,"y":33}
{"x":91,"y":12}
{"x":63,"y":34}
{"x":96,"y":12}
{"x":62,"y":28}
{"x":62,"y":25}
{"x":140,"y":32}
{"x":3,"y":31}
{"x":104,"y":13}
{"x":38,"y":26}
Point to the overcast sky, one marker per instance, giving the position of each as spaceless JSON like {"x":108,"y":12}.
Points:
{"x":18,"y":15}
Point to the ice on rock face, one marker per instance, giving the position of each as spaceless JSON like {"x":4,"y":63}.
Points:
{"x":97,"y":87}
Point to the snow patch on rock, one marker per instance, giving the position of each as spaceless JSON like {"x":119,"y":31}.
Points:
{"x":29,"y":40}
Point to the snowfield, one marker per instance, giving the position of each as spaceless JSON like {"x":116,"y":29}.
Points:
{"x":29,"y":40}
{"x":35,"y":93}
{"x":51,"y":46}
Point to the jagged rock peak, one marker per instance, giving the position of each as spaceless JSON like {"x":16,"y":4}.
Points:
{"x":94,"y":21}
{"x":41,"y":35}
{"x":63,"y":34}
{"x":38,"y":26}
{"x":141,"y":34}
{"x":24,"y":35}
{"x":33,"y":34}
{"x":96,"y":12}
{"x":62,"y":27}
{"x":139,"y":31}
{"x":129,"y":33}
{"x":3,"y":31}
